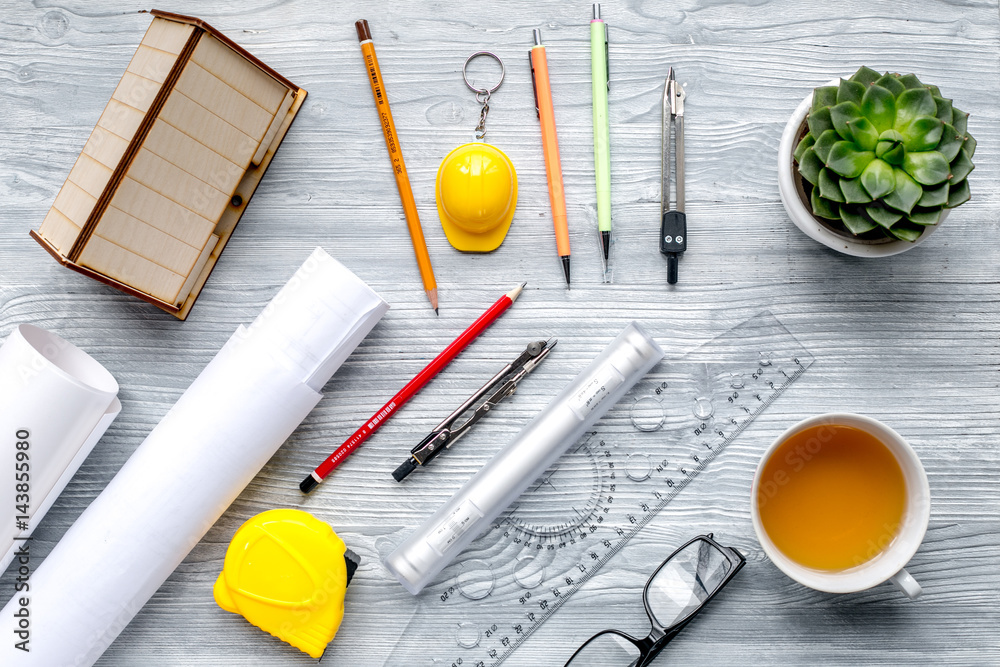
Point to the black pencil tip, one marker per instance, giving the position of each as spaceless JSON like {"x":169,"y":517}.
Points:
{"x":565,"y":264}
{"x":606,"y":244}
{"x":436,"y":312}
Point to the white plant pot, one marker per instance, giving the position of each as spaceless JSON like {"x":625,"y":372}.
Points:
{"x":801,"y":213}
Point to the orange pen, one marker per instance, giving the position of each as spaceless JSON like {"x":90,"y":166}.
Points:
{"x":550,"y":147}
{"x":398,"y":166}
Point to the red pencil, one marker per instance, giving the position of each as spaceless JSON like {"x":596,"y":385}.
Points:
{"x":412,"y":387}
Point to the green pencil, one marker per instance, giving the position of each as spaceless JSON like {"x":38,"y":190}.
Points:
{"x":599,"y":76}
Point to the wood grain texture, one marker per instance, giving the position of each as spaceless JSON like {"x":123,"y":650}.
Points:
{"x":913,"y":340}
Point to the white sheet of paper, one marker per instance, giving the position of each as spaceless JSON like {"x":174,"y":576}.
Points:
{"x":63,"y":401}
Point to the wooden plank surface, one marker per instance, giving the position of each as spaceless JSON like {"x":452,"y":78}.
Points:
{"x":911,"y":340}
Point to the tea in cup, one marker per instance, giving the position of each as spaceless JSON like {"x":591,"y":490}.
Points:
{"x":840,"y":503}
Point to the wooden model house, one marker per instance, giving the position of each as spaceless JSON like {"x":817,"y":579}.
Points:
{"x":168,"y":170}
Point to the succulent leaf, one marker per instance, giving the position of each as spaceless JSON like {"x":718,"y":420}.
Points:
{"x":927,"y":168}
{"x":960,"y":121}
{"x":950,"y":142}
{"x":912,"y":104}
{"x":809,"y":166}
{"x":960,"y":168}
{"x":824,"y":96}
{"x":824,"y":208}
{"x":929,"y":216}
{"x":877,"y":178}
{"x":819,"y":121}
{"x":879,"y":106}
{"x":891,"y":83}
{"x":936,"y":196}
{"x":850,"y":91}
{"x":906,"y":193}
{"x":944,"y":111}
{"x":865,"y":76}
{"x":854,"y":193}
{"x":847,"y":160}
{"x":910,"y":81}
{"x":864,"y":133}
{"x":959,"y":194}
{"x":905,"y":231}
{"x":855,"y":221}
{"x":890,"y":151}
{"x":804,"y":143}
{"x":841,"y":115}
{"x":825,"y":143}
{"x":922,"y":134}
{"x":883,"y":216}
{"x":935,"y":91}
{"x":829,"y":186}
{"x":970,"y":146}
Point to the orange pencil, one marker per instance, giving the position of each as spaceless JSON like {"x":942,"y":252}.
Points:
{"x":398,"y":166}
{"x":550,"y":147}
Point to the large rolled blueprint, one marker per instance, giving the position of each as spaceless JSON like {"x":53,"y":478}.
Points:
{"x":197,"y":460}
{"x":56,"y":402}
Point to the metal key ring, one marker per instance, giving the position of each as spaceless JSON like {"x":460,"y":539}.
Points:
{"x":483,"y":91}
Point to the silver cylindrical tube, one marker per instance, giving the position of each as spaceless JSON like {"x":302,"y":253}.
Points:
{"x":473,"y":508}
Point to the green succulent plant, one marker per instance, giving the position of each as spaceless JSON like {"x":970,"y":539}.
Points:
{"x":884,"y":155}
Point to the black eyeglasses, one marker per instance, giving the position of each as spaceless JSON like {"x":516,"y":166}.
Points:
{"x":677,"y":591}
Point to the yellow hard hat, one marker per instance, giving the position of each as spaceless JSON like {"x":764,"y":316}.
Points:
{"x":287,"y":572}
{"x":476,"y":196}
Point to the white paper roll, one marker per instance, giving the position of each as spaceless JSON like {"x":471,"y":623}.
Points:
{"x":180,"y":480}
{"x":56,"y":401}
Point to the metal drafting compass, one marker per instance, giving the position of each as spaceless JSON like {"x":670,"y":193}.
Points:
{"x":673,"y":224}
{"x":500,"y":386}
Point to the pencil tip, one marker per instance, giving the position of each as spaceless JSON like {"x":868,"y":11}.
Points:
{"x":565,"y":265}
{"x":436,"y":312}
{"x":516,"y":292}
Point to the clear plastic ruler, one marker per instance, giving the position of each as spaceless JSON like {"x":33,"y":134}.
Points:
{"x":575,"y":519}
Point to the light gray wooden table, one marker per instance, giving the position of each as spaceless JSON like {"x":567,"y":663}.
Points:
{"x":911,"y":340}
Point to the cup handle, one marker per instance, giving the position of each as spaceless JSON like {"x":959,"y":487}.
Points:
{"x":907,"y":584}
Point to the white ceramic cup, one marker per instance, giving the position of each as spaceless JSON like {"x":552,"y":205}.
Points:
{"x":888,"y":564}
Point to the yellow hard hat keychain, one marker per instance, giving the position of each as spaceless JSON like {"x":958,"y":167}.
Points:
{"x":476,"y":186}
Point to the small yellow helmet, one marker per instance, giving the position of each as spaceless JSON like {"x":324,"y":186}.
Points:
{"x":476,"y":196}
{"x":287,"y":572}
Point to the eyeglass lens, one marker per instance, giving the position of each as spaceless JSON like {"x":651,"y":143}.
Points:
{"x":685,"y":582}
{"x":608,"y":649}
